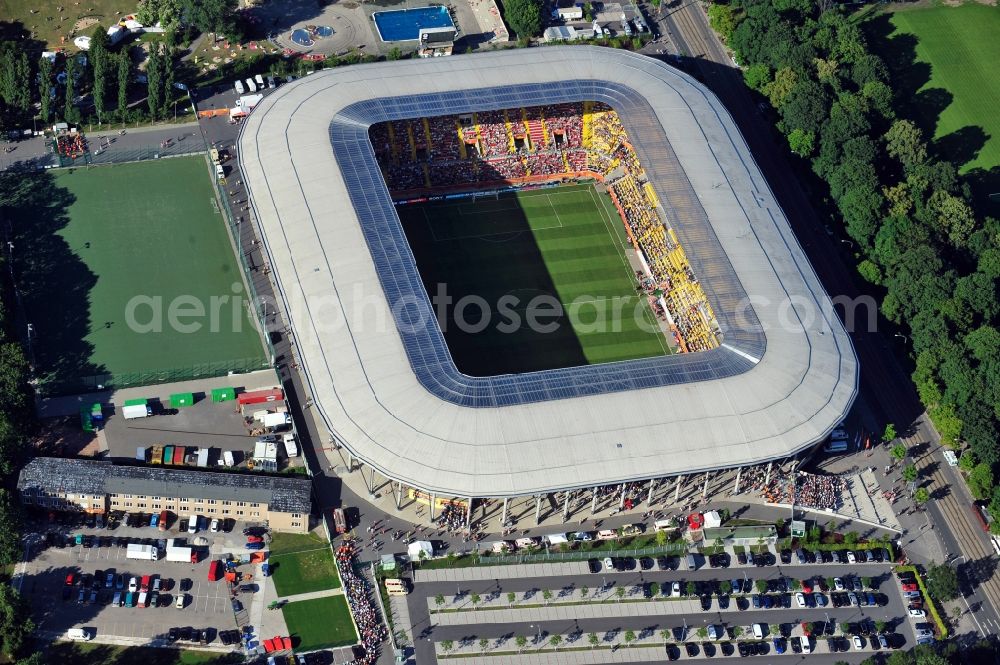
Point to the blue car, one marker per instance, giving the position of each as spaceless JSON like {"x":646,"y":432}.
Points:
{"x":779,"y":645}
{"x":768,"y":602}
{"x":255,"y":546}
{"x":154,"y":519}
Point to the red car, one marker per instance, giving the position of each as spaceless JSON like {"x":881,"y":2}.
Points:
{"x":70,"y":579}
{"x":910,"y":587}
{"x":254,"y":539}
{"x":807,"y":586}
{"x":144,"y":585}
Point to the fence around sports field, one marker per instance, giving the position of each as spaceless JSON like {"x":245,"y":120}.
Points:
{"x":111,"y":154}
{"x":151,"y":377}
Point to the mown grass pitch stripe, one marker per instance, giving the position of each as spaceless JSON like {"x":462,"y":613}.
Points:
{"x":567,"y":238}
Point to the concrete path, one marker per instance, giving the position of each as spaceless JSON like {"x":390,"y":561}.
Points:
{"x":311,"y":595}
{"x":479,"y":573}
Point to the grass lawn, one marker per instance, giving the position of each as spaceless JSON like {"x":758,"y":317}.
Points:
{"x":321,"y":623}
{"x":283,"y":543}
{"x":76,"y":653}
{"x":961,"y":48}
{"x":129,"y":278}
{"x":62,"y":23}
{"x":304,"y":571}
{"x":564,"y":245}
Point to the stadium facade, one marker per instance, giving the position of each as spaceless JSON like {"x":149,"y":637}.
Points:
{"x":784,"y":375}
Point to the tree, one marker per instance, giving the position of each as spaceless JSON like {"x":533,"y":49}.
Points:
{"x":209,"y":15}
{"x":555,"y":640}
{"x":889,"y":433}
{"x":620,"y":593}
{"x":16,"y":625}
{"x":702,"y":633}
{"x":520,"y":640}
{"x":796,"y":585}
{"x":483,"y":643}
{"x":980,"y":480}
{"x":45,"y":88}
{"x":662,"y":538}
{"x":168,"y":81}
{"x":942,"y":582}
{"x":722,"y":20}
{"x":905,"y":143}
{"x":665,"y":635}
{"x":584,"y":590}
{"x":124,"y":74}
{"x":736,"y":631}
{"x":15,"y":77}
{"x":71,"y":114}
{"x":777,"y":90}
{"x":439,"y":600}
{"x":801,"y":142}
{"x":524,"y":17}
{"x":910,"y":473}
{"x":154,"y":80}
{"x":100,"y":61}
{"x":845,"y":628}
{"x":761,"y":586}
{"x":547,"y":595}
{"x":447,"y":645}
{"x":593,"y":640}
{"x":629,"y":637}
{"x":880,"y":626}
{"x":726,"y":587}
{"x":475,"y":598}
{"x":691,"y":588}
{"x":866,"y":582}
{"x":898,"y":451}
{"x":921,"y":496}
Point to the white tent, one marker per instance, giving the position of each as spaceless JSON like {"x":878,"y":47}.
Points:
{"x":556,"y":538}
{"x":712,"y":519}
{"x":419,"y":546}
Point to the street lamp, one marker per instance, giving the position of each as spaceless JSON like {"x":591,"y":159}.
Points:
{"x":847,"y":242}
{"x":904,"y":337}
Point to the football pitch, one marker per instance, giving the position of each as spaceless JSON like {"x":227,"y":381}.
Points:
{"x":959,"y":48}
{"x":536,"y":280}
{"x":128,"y":277}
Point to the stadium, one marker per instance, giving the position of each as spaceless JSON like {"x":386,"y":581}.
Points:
{"x":583,"y":174}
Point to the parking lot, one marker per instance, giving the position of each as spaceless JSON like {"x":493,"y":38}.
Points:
{"x":60,"y":602}
{"x":721,"y":607}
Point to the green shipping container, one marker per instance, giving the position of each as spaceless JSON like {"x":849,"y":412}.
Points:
{"x":223,"y":394}
{"x":180,"y":400}
{"x":135,"y":402}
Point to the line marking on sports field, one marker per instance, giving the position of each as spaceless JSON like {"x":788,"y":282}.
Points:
{"x":558,"y":219}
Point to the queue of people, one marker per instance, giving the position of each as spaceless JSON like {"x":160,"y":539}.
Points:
{"x":371,"y":629}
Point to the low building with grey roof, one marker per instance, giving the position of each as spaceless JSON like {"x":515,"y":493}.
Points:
{"x":97,"y":486}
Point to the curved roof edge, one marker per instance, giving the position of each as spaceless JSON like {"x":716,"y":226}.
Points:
{"x":313,"y":213}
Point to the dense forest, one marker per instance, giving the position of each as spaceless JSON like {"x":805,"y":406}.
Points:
{"x":922,"y":245}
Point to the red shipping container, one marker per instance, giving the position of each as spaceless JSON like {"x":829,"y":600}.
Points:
{"x":268,"y":646}
{"x":214,"y":570}
{"x":286,"y":642}
{"x":260,"y":396}
{"x":178,"y":456}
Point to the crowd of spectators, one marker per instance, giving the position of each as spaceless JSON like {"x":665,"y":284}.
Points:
{"x":805,"y":489}
{"x":371,"y":630}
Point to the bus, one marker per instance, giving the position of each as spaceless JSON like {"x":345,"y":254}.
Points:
{"x":339,"y":520}
{"x":396,"y":587}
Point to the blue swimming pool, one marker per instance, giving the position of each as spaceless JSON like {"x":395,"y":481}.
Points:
{"x":400,"y":25}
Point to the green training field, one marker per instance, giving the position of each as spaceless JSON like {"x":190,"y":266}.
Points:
{"x":320,"y":623}
{"x":304,"y":571}
{"x":962,"y":46}
{"x":535,"y":251}
{"x":129,"y":271}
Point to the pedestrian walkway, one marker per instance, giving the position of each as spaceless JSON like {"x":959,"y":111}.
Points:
{"x":311,"y":595}
{"x":479,"y":573}
{"x":400,"y":610}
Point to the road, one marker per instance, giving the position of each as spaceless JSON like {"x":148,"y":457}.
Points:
{"x":887,"y":394}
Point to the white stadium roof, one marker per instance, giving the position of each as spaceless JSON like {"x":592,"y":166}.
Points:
{"x":376,"y":362}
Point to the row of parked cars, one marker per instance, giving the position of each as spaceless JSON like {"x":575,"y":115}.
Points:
{"x":123,"y":589}
{"x":915,"y":607}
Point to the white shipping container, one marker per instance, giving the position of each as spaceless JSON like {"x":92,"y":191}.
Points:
{"x":136,"y":411}
{"x":291,"y":448}
{"x":141,"y":552}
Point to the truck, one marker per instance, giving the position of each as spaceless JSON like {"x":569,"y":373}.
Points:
{"x":136,"y":408}
{"x":277,"y":420}
{"x":215,"y":571}
{"x":142,"y":552}
{"x":339,"y":520}
{"x":157,"y":456}
{"x":291,"y":448}
{"x":203,"y":457}
{"x":180,"y":553}
{"x":228,"y":459}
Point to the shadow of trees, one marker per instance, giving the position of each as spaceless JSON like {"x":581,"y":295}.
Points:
{"x":53,"y":281}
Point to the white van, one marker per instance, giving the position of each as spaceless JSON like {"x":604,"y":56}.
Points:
{"x":220,"y":173}
{"x":193,"y":524}
{"x":260,"y":81}
{"x":239,"y":87}
{"x":79,"y":634}
{"x":251,"y":86}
